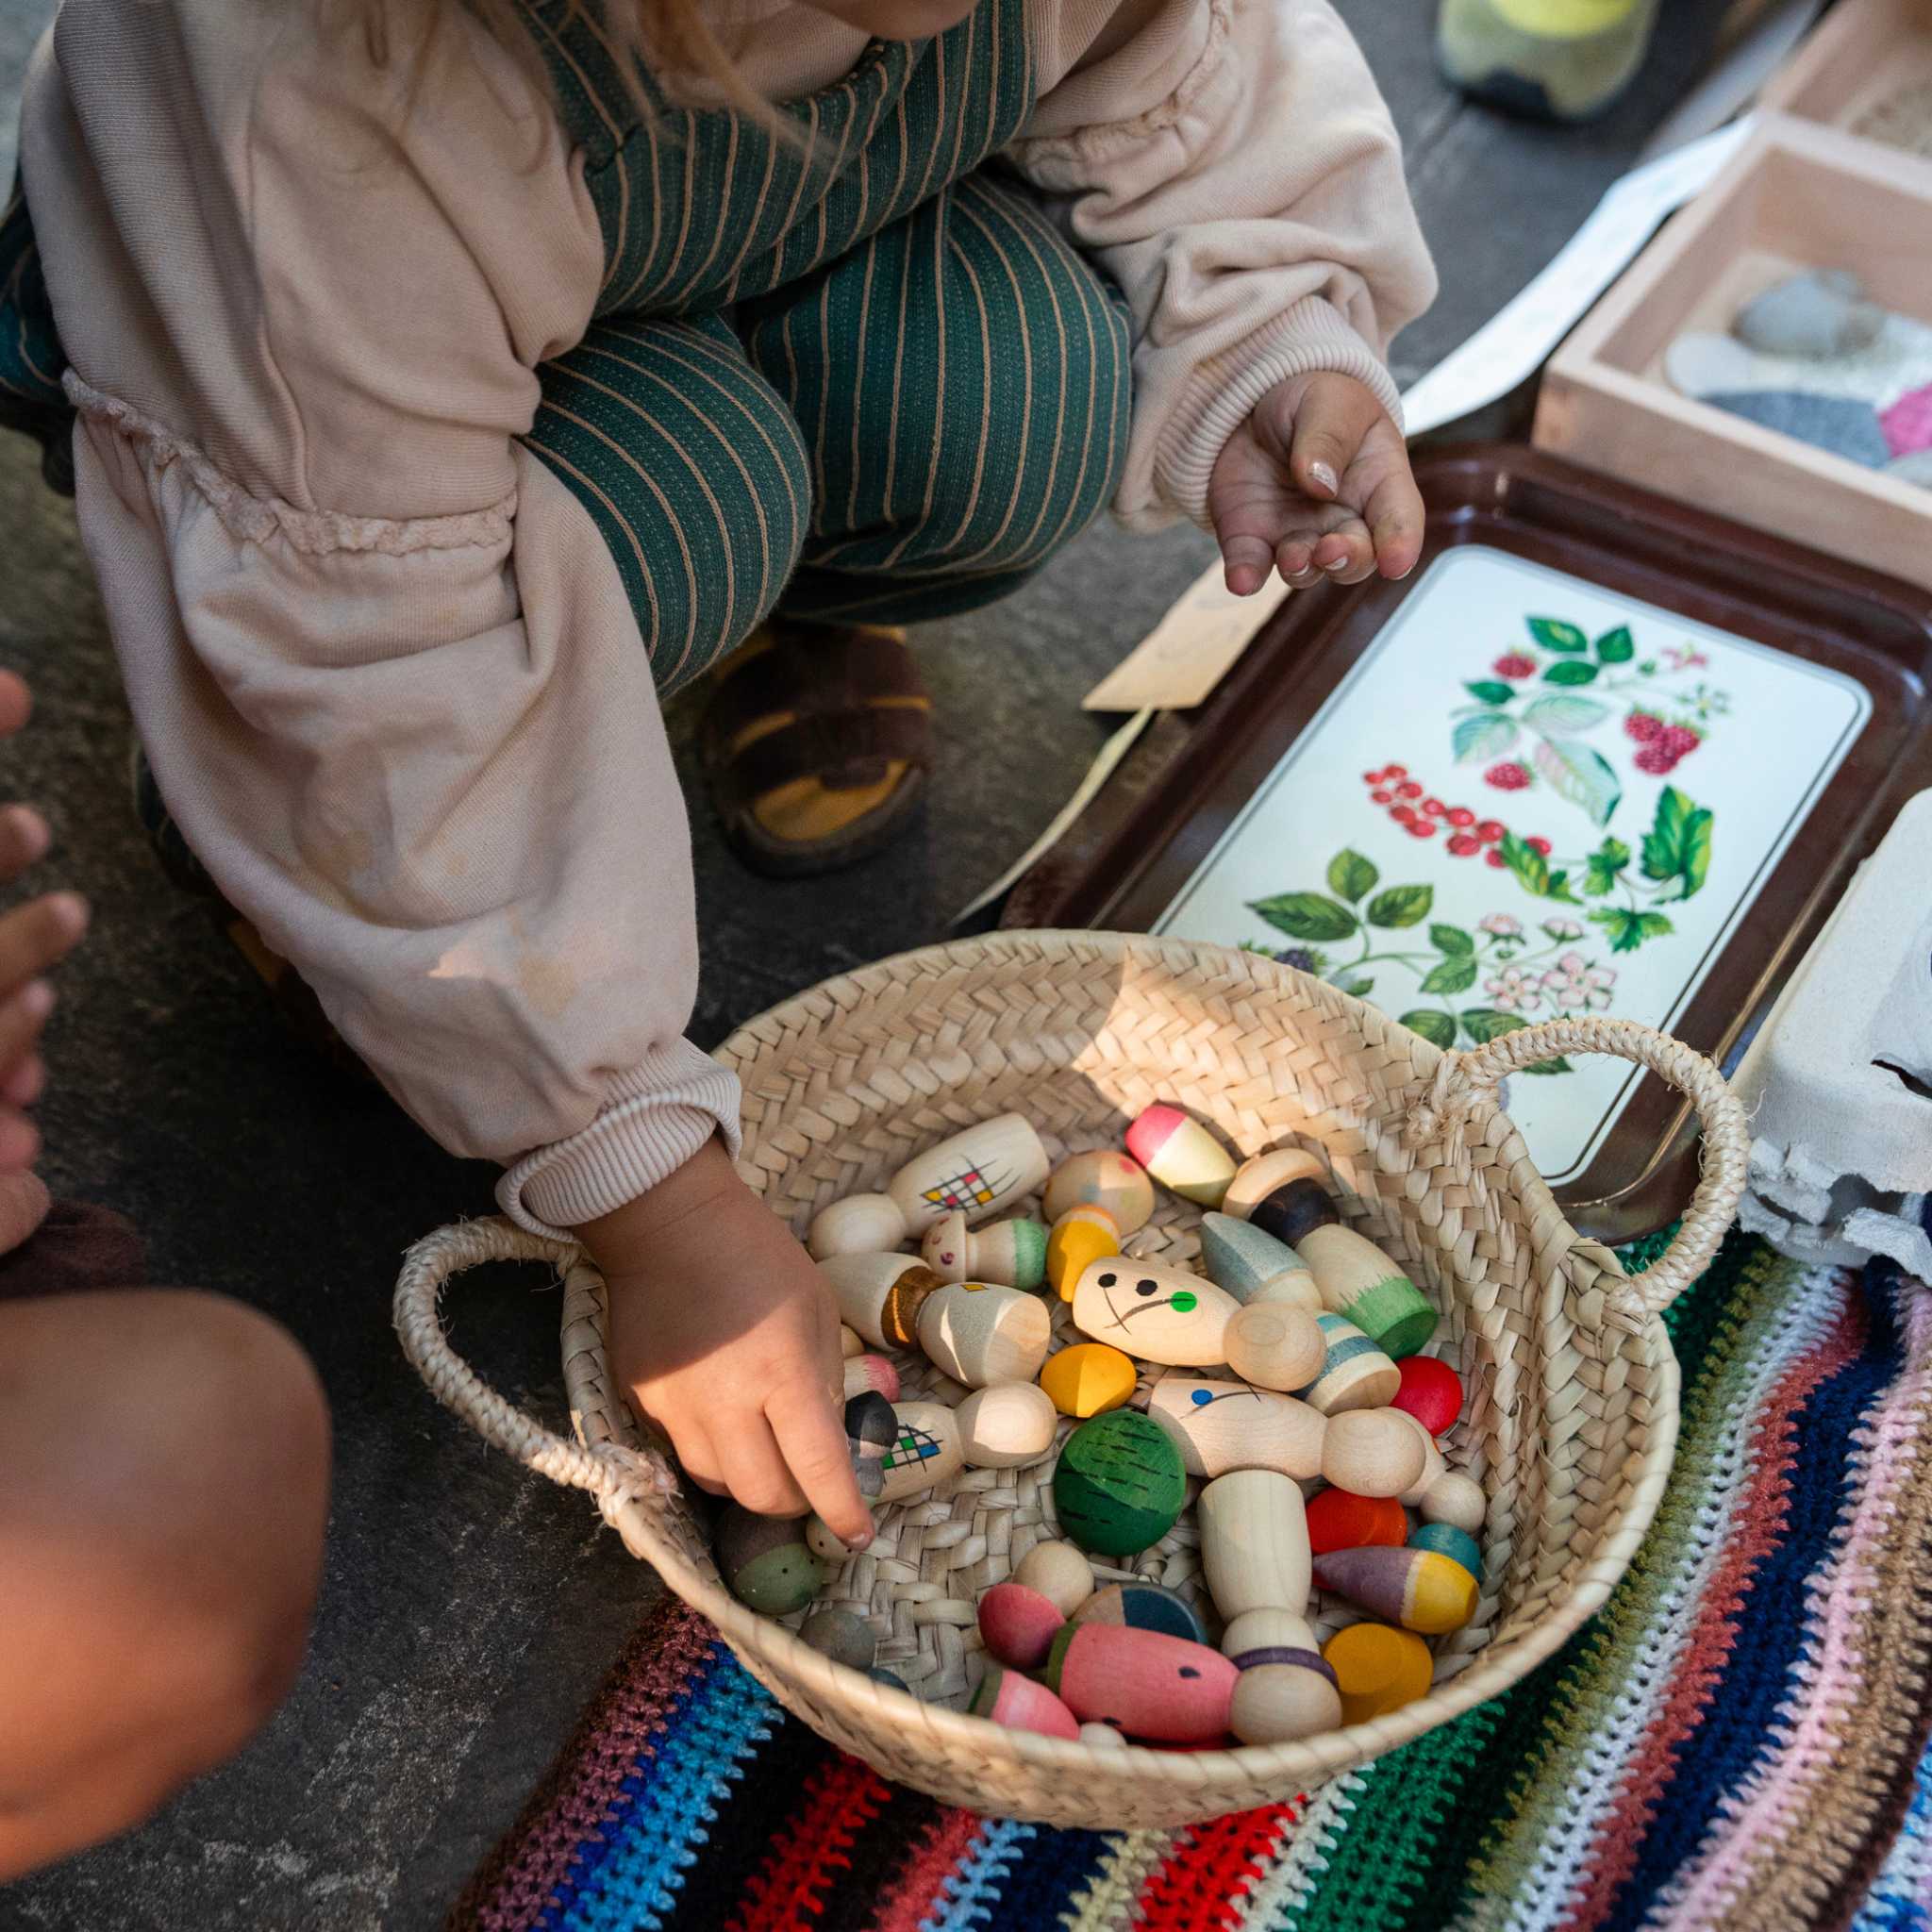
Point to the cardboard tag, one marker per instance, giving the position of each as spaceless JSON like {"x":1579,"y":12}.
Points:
{"x":1188,"y":652}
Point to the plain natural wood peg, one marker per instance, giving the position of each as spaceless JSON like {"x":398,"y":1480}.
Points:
{"x":1254,"y":1542}
{"x":859,"y":1225}
{"x":1011,"y":1252}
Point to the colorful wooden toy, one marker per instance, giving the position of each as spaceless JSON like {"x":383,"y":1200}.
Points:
{"x":842,"y":1636}
{"x":1018,"y":1625}
{"x":1431,"y":1392}
{"x":1285,"y":1193}
{"x":1253,"y":1266}
{"x":1355,"y":1375}
{"x":1107,"y":1179}
{"x":1006,"y":1424}
{"x":1080,"y":1237}
{"x":1181,"y":1154}
{"x":1142,"y":1606}
{"x":1447,"y":1540}
{"x":1103,"y":1737}
{"x":1456,"y":1498}
{"x":1010,"y":1252}
{"x":1119,"y":1485}
{"x":1005,"y":1697}
{"x":871,"y":1428}
{"x":765,"y":1560}
{"x":1341,"y":1520}
{"x":859,"y":1225}
{"x":874,"y":1371}
{"x":976,"y":1332}
{"x":1060,"y":1573}
{"x":849,"y":1341}
{"x":989,"y":1166}
{"x":1157,"y":1313}
{"x":1254,"y":1542}
{"x":926,"y":1451}
{"x":1286,"y":1689}
{"x":1089,"y":1378}
{"x":1417,"y":1589}
{"x":1378,"y":1669}
{"x":1143,"y":1682}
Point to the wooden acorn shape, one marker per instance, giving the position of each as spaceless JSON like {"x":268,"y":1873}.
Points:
{"x":1355,"y":1372}
{"x":1378,"y":1669}
{"x":1342,"y":1519}
{"x":859,"y":1225}
{"x":1142,"y":1606}
{"x":1431,"y":1392}
{"x":1089,"y":1378}
{"x":1455,"y":1498}
{"x":1286,"y":1689}
{"x":871,"y":1428}
{"x":1019,"y":1703}
{"x":874,"y":1371}
{"x":1006,"y":1424}
{"x":1181,"y":1154}
{"x":1447,"y":1540}
{"x":1107,"y":1179}
{"x":1253,"y":1266}
{"x":1286,"y":1195}
{"x":1142,"y":1682}
{"x":1018,"y":1625}
{"x":1254,"y":1542}
{"x":989,"y":1166}
{"x":765,"y":1560}
{"x":976,"y":1332}
{"x":926,"y":1450}
{"x":1119,"y":1485}
{"x":1080,"y":1237}
{"x":1417,"y":1589}
{"x":1059,"y":1572}
{"x":1010,"y":1252}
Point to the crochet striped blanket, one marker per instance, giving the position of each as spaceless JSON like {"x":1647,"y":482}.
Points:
{"x":1738,"y":1739}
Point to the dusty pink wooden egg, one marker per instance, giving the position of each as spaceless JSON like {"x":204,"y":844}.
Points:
{"x":1018,"y":1625}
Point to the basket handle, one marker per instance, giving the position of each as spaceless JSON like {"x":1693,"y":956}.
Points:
{"x":1461,"y":1077}
{"x":611,"y":1472}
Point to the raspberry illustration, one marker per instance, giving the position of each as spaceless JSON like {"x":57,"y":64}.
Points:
{"x":1643,"y":727}
{"x":1508,"y":776}
{"x":1513,"y":665}
{"x":1656,"y":759}
{"x":1679,"y":740}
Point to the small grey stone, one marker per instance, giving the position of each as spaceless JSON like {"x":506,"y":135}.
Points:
{"x":1815,"y":315}
{"x":1700,"y":364}
{"x":1846,"y":429}
{"x":1914,"y":467}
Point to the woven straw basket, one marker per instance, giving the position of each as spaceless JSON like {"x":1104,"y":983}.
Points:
{"x":1573,"y":1410}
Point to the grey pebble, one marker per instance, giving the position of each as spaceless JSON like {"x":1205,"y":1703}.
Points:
{"x":842,"y":1636}
{"x":1818,"y":315}
{"x":1914,"y":467}
{"x":1845,"y":427}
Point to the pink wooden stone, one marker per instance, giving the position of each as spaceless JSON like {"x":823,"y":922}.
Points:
{"x":1142,"y":1682}
{"x":1007,"y":1698}
{"x":1018,"y":1625}
{"x":1907,"y":424}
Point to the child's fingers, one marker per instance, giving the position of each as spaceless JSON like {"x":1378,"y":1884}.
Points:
{"x":755,"y":1470}
{"x":1333,"y":415}
{"x":23,"y":1207}
{"x":1245,"y":561}
{"x":16,"y":703}
{"x":699,"y":1460}
{"x":1346,"y":554}
{"x":38,"y":934}
{"x":20,"y":1142}
{"x":26,"y":1083}
{"x":24,"y":839}
{"x":1396,"y":519}
{"x":21,"y":1020}
{"x":812,"y":1439}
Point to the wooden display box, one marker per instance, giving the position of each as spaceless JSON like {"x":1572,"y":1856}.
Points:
{"x":1799,"y":196}
{"x":1866,"y":53}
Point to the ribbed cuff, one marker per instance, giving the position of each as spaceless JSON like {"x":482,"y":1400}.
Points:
{"x":656,"y":1117}
{"x":1223,"y":391}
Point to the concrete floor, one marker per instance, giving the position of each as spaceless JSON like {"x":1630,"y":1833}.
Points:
{"x":468,"y":1612}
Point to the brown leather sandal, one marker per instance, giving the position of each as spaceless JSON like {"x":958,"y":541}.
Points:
{"x":817,"y":746}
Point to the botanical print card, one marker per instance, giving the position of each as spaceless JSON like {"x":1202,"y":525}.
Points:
{"x":1531,"y":797}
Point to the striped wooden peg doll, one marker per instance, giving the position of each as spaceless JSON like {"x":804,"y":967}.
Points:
{"x":1355,"y":1372}
{"x":1286,"y":1195}
{"x":1420,"y":1589}
{"x":863,"y":1372}
{"x":1011,"y":1254}
{"x":1181,"y":1154}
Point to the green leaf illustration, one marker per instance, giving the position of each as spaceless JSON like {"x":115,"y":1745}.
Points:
{"x":1559,"y":1065}
{"x":1562,"y":715}
{"x":1401,"y":906}
{"x":1605,"y":865}
{"x":1570,"y":671}
{"x":1306,"y":916}
{"x":1485,"y":1024}
{"x":1360,"y":986}
{"x":1558,"y":889}
{"x":1481,"y":736}
{"x":1453,"y":974}
{"x":1526,"y":862}
{"x":1581,"y":776}
{"x":1451,"y":939}
{"x":1629,"y":929}
{"x":1616,"y":646}
{"x":1678,"y":846}
{"x":1434,"y":1026}
{"x":1491,"y":692}
{"x":1350,"y":875}
{"x":1553,"y":634}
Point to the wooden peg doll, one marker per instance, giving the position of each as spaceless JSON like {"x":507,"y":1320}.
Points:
{"x":976,"y":1332}
{"x":1168,"y":1316}
{"x":872,"y":1427}
{"x":1287,"y":1689}
{"x":1181,"y":1154}
{"x":1010,"y":1252}
{"x":925,"y":1450}
{"x":1253,"y":1266}
{"x":863,"y":1372}
{"x":1008,"y":1698}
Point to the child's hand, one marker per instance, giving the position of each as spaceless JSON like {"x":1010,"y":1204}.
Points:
{"x":1316,"y":482}
{"x":726,"y":1334}
{"x":34,"y":937}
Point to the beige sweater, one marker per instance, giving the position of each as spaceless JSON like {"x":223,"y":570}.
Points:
{"x":381,"y":660}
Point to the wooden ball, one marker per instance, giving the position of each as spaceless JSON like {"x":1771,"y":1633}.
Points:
{"x":1080,"y":1237}
{"x":1057,"y":1572}
{"x":1276,"y":1344}
{"x":1018,"y":1625}
{"x":1107,"y":1178}
{"x":1378,"y":1669}
{"x":1454,"y":1497}
{"x":1282,"y":1694}
{"x":1103,"y":1738}
{"x":1447,"y":1540}
{"x":1150,"y":1684}
{"x":1004,"y":1697}
{"x":842,"y":1636}
{"x":1355,"y":1375}
{"x":1374,"y":1452}
{"x":1431,"y":1392}
{"x":1418,"y":1588}
{"x":1181,"y":1154}
{"x":1008,"y":1424}
{"x":1119,"y":1485}
{"x":765,"y":1560}
{"x":1142,"y":1606}
{"x":1089,"y":1378}
{"x":1340,"y":1520}
{"x":859,"y":1225}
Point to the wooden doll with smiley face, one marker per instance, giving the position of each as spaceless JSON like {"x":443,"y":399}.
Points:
{"x":1168,"y":1316}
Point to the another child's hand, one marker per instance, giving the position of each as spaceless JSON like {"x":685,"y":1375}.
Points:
{"x":726,"y":1334}
{"x":1316,"y":483}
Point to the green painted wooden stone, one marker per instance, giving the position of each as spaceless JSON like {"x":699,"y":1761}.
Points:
{"x":766,"y":1562}
{"x":1239,"y":1256}
{"x":1142,"y":1606}
{"x":1119,"y":1484}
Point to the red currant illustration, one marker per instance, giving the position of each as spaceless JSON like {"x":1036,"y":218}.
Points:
{"x":1491,"y":831}
{"x":1491,"y":857}
{"x":1408,"y":789}
{"x":1460,"y":815}
{"x":1508,"y":776}
{"x":1421,"y":829}
{"x":1395,"y":771}
{"x":1382,"y":797}
{"x":1461,"y":846}
{"x":1540,"y":845}
{"x":1434,"y":807}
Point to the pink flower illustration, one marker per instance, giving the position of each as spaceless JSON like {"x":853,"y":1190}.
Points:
{"x":1562,"y":928}
{"x":1513,"y":991}
{"x":1685,"y":657}
{"x":1502,"y":924}
{"x":1576,"y":985}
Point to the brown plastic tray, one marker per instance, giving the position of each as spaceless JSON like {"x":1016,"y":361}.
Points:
{"x":1133,"y":851}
